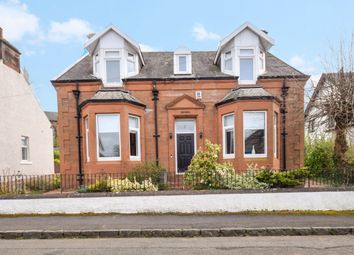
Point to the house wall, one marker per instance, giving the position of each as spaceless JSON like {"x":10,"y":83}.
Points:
{"x":21,"y":115}
{"x":207,"y":121}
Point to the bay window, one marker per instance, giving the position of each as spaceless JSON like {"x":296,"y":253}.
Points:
{"x":134,"y":137}
{"x":108,"y":136}
{"x":228,"y":136}
{"x":246,"y":66}
{"x":254,"y":130}
{"x":87,"y":139}
{"x":112,"y":61}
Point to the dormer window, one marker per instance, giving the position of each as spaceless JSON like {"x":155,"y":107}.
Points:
{"x":182,"y":64}
{"x":228,"y":61}
{"x":261,"y":62}
{"x":182,"y":61}
{"x":247,"y":66}
{"x":112,"y":65}
{"x":131,"y":63}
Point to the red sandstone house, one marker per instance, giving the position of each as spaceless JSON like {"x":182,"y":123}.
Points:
{"x":121,"y":106}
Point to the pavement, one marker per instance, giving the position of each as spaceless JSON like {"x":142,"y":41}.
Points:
{"x":49,"y":227}
{"x":265,"y":245}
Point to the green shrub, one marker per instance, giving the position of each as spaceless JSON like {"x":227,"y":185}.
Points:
{"x":56,"y":157}
{"x":145,"y":171}
{"x":204,"y":171}
{"x":283,"y":179}
{"x":319,"y":157}
{"x":56,"y":181}
{"x":102,"y":185}
{"x":122,"y":185}
{"x":246,"y":180}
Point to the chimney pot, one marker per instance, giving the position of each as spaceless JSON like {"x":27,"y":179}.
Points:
{"x":89,"y":36}
{"x":0,"y":33}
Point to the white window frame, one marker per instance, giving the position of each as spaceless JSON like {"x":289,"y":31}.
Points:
{"x":137,"y":131}
{"x":96,"y":63}
{"x":179,"y":132}
{"x":188,"y":64}
{"x":264,"y":155}
{"x":224,"y":129}
{"x":275,"y":134}
{"x":105,"y":59}
{"x":87,"y":138}
{"x":261,"y":62}
{"x":97,"y":141}
{"x":27,"y":147}
{"x":248,"y":56}
{"x":131,"y":61}
{"x":229,"y":58}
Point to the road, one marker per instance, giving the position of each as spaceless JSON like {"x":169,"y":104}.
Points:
{"x":313,"y":245}
{"x":171,"y":221}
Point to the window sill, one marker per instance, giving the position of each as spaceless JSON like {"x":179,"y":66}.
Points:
{"x":260,"y":156}
{"x":231,"y":156}
{"x":247,"y":82}
{"x":135,"y":159}
{"x":25,"y":162}
{"x":108,"y":159}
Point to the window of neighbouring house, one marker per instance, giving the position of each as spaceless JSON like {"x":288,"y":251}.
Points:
{"x":275,"y":134}
{"x":112,"y":60}
{"x":134,"y":137}
{"x":108,"y":136}
{"x":228,"y":61}
{"x":228,"y":136}
{"x":25,"y":153}
{"x":254,"y":125}
{"x":87,"y":139}
{"x":131,"y":63}
{"x":246,"y":66}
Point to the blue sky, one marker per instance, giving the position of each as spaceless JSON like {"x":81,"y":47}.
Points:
{"x":50,"y":34}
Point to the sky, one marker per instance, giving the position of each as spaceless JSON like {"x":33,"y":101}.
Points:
{"x":51,"y":34}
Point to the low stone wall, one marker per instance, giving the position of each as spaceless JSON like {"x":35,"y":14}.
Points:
{"x":194,"y":203}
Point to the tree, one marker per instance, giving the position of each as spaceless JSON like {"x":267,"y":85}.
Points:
{"x":333,"y":99}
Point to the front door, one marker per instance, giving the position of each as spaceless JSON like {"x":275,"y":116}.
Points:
{"x":185,"y":151}
{"x":185,"y":143}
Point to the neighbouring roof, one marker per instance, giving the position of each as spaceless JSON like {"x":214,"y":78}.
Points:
{"x":159,"y":65}
{"x":244,"y":93}
{"x":52,"y":116}
{"x":113,"y":95}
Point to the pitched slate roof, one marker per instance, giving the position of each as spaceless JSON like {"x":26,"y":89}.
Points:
{"x":159,"y":65}
{"x":244,"y":93}
{"x":113,"y":95}
{"x":276,"y":68}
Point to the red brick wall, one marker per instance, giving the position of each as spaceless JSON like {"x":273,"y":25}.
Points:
{"x":208,"y":120}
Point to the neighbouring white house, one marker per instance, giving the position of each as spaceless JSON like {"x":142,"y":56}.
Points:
{"x":26,"y":138}
{"x":319,"y":126}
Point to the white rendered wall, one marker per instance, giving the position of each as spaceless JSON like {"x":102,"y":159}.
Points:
{"x":21,"y":115}
{"x":322,"y":201}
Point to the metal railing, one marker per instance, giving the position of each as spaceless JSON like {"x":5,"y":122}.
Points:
{"x":121,"y":182}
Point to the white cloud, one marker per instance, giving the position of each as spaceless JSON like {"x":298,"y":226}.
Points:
{"x":17,"y":21}
{"x":73,"y":30}
{"x":201,"y":34}
{"x":305,"y":66}
{"x":147,"y":48}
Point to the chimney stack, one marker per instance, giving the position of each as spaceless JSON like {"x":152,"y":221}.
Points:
{"x":0,"y":33}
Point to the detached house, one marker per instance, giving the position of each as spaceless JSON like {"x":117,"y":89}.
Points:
{"x":118,"y":106}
